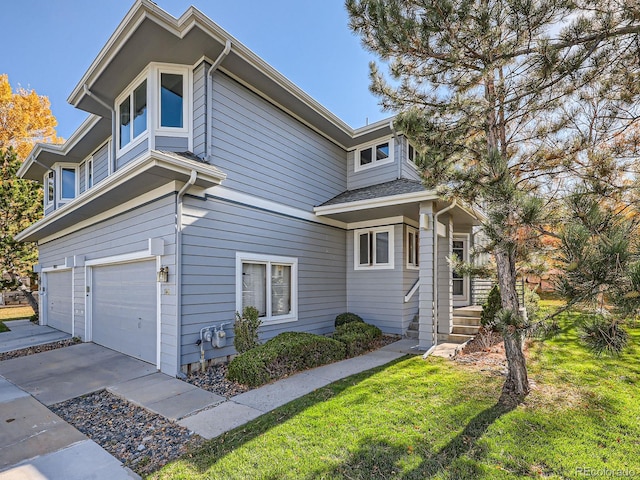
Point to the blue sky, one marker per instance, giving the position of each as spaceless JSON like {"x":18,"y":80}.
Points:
{"x":48,"y":44}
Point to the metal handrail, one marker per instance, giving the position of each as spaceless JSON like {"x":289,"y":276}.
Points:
{"x":412,"y":292}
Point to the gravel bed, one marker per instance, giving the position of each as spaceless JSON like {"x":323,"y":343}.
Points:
{"x":142,"y":440}
{"x":23,"y":352}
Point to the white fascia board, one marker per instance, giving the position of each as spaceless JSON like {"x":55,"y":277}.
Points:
{"x":224,"y":193}
{"x":376,"y":202}
{"x":150,"y":160}
{"x":372,"y":127}
{"x":61,"y":149}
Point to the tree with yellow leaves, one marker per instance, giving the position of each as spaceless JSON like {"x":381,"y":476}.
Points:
{"x":25,"y":118}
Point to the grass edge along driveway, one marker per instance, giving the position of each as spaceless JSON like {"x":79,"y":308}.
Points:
{"x":418,"y":419}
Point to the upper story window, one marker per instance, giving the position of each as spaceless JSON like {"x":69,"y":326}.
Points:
{"x":67,"y":183}
{"x":377,"y":153}
{"x":132,"y":115}
{"x":411,"y":152}
{"x":373,"y":248}
{"x":49,"y":188}
{"x":171,"y":100}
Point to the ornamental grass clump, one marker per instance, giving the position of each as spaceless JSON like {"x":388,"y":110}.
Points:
{"x":604,"y":336}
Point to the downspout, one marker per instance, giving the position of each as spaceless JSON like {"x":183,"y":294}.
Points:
{"x":114,"y":124}
{"x":209,"y":105}
{"x":179,"y":201}
{"x":435,"y":273}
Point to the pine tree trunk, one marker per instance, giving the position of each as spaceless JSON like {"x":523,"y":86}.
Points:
{"x":517,"y":382}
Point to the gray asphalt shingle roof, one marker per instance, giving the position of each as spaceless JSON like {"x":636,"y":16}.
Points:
{"x":395,"y":187}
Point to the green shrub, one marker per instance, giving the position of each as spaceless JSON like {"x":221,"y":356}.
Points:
{"x":245,"y":329}
{"x":490,"y":308}
{"x":287,"y":353}
{"x":357,"y":337}
{"x":347,"y":317}
{"x":604,"y":335}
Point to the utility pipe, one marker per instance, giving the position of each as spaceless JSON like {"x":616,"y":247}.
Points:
{"x":114,"y":124}
{"x":209,"y":89}
{"x":179,"y":202}
{"x":435,"y":270}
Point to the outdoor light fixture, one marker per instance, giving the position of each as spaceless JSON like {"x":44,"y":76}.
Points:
{"x":163,"y":274}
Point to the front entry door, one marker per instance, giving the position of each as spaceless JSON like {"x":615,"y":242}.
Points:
{"x":460,"y":249}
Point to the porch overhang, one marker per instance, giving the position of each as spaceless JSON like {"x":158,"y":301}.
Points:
{"x":141,"y":176}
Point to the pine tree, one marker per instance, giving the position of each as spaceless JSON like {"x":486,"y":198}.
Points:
{"x":491,"y":93}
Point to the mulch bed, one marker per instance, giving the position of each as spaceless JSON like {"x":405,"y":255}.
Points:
{"x":141,"y":440}
{"x":23,"y":352}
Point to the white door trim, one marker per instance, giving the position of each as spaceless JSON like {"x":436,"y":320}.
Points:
{"x":465,"y":298}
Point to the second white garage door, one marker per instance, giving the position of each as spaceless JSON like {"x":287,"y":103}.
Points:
{"x":124,"y":311}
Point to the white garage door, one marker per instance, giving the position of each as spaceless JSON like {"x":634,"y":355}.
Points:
{"x":124,"y":315}
{"x":59,"y":302}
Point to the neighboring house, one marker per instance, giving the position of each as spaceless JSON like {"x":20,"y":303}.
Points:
{"x":200,"y":160}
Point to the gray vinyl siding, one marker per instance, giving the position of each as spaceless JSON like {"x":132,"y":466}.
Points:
{"x":199,"y":109}
{"x":408,"y":168}
{"x":377,"y":295}
{"x":267,"y":153}
{"x":49,"y":208}
{"x":215,"y":230}
{"x":370,"y":176}
{"x":124,"y":234}
{"x":445,"y":279}
{"x":132,"y":154}
{"x":172,"y":144}
{"x":82,"y":177}
{"x":101,"y":164}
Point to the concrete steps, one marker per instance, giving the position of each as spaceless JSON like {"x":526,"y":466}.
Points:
{"x":466,"y":324}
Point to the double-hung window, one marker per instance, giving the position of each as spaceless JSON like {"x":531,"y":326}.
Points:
{"x":132,"y":115}
{"x":374,"y":154}
{"x":268,"y":283}
{"x":373,"y":248}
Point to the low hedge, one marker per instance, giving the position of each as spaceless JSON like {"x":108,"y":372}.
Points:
{"x":284,"y":354}
{"x":347,"y":317}
{"x":357,"y":337}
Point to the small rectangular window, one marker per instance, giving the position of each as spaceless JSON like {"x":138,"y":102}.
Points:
{"x":413,"y":248}
{"x":68,"y":183}
{"x":365,"y":157}
{"x":89,"y":174}
{"x":374,"y":248}
{"x":50,"y":188}
{"x":171,"y":100}
{"x":140,"y":109}
{"x":373,"y":154}
{"x":125,"y":122}
{"x":382,"y":151}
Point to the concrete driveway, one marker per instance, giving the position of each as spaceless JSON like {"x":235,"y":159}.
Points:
{"x":35,"y":443}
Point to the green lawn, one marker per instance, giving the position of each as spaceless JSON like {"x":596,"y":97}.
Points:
{"x":418,"y":419}
{"x":13,"y":313}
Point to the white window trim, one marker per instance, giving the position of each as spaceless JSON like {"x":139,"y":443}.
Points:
{"x":47,"y":202}
{"x":128,"y":92}
{"x":374,"y":162}
{"x":406,"y":146}
{"x":356,"y":249}
{"x":416,"y":233}
{"x":268,"y":260}
{"x":58,"y":187}
{"x":186,"y":73}
{"x":466,"y":237}
{"x":88,"y":173}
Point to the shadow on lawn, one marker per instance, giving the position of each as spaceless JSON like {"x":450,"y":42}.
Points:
{"x":376,"y":459}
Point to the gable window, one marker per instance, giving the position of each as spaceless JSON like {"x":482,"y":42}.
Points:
{"x":132,"y":115}
{"x":67,"y":183}
{"x":375,"y":154}
{"x":373,"y":248}
{"x":268,"y":283}
{"x":413,"y":248}
{"x":171,"y":100}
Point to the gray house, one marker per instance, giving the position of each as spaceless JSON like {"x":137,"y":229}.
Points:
{"x":203,"y":181}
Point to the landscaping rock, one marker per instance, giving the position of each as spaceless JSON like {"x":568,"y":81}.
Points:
{"x":23,"y":352}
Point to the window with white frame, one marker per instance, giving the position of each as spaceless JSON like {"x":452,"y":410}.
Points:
{"x":377,"y":153}
{"x":411,"y":152}
{"x":49,"y":188}
{"x":171,"y":100}
{"x":68,"y":183}
{"x":373,"y":248}
{"x":268,"y":283}
{"x":89,"y":174}
{"x":412,"y":247}
{"x":132,"y":114}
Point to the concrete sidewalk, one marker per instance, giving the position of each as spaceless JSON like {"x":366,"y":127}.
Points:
{"x":36,"y":444}
{"x":25,"y":333}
